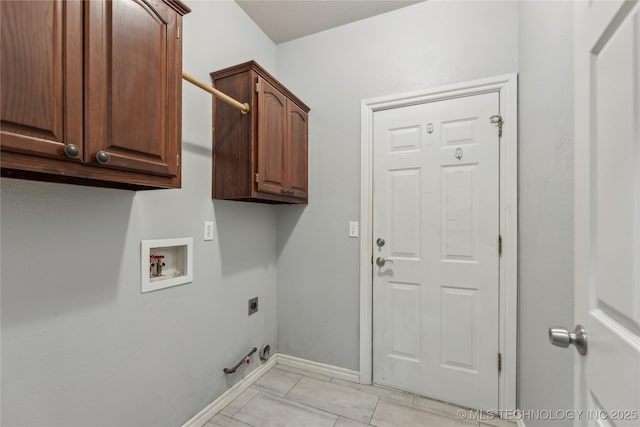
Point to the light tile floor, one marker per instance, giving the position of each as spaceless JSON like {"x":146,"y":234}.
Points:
{"x":291,"y":397}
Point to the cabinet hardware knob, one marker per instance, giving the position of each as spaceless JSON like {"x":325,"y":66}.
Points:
{"x":72,"y":151}
{"x":103,"y":157}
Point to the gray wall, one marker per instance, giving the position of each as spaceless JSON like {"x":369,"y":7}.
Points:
{"x":427,"y":45}
{"x":546,"y":203}
{"x":421,"y":46}
{"x":80,"y":345}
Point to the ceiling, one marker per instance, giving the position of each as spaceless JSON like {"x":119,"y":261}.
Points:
{"x":284,"y":20}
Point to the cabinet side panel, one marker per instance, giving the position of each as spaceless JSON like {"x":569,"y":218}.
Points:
{"x":232,"y":136}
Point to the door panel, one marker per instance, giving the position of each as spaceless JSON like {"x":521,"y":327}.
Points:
{"x":459,"y":201}
{"x":607,"y":214}
{"x":41,"y":53}
{"x":435,"y":322}
{"x":297,"y":134}
{"x":132,"y":75}
{"x":405,"y":321}
{"x":271,"y":138}
{"x":459,"y":319}
{"x":405,"y":221}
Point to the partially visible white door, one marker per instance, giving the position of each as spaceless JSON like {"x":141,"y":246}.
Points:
{"x":435,"y":240}
{"x":607,"y":211}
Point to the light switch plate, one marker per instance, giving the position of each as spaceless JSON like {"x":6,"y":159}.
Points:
{"x":354,"y":229}
{"x":208,"y":230}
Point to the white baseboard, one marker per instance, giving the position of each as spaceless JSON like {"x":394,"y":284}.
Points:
{"x":201,"y":418}
{"x":519,"y":420}
{"x":319,"y":368}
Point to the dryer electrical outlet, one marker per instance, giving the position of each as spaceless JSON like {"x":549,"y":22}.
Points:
{"x":253,"y":306}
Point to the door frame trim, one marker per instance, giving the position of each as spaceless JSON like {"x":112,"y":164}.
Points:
{"x":507,"y":87}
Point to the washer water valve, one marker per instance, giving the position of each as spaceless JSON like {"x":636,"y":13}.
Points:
{"x":155,"y":261}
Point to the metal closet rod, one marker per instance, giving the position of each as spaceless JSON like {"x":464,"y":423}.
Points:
{"x":244,"y":108}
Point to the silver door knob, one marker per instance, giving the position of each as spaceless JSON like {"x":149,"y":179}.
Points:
{"x":380,"y":262}
{"x":563,"y":338}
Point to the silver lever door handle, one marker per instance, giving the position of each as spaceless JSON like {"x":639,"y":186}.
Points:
{"x":563,"y":338}
{"x":380,"y":262}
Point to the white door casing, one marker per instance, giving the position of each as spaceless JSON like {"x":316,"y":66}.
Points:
{"x":504,"y":89}
{"x":607,"y":211}
{"x":435,"y":302}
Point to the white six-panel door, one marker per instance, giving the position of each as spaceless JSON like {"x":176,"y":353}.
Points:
{"x":607,"y":211}
{"x":436,"y":206}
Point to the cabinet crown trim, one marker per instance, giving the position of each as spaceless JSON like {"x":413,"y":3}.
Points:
{"x":253,"y":65}
{"x":178,"y":6}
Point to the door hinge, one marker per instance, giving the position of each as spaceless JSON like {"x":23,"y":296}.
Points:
{"x":257,"y":177}
{"x":499,"y":362}
{"x":499,"y":244}
{"x":178,"y":160}
{"x":257,"y":87}
{"x":178,"y":34}
{"x":497,"y":119}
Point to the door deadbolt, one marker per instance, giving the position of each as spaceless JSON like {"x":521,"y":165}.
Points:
{"x":380,"y":242}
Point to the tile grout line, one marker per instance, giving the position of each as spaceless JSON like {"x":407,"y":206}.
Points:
{"x":245,"y":403}
{"x":333,"y":413}
{"x":374,"y":410}
{"x":292,"y":387}
{"x":232,"y":418}
{"x":300,"y":404}
{"x":311,"y":406}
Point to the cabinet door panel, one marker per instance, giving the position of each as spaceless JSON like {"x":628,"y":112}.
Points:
{"x":41,"y":56}
{"x":297,"y":150}
{"x":271,"y":138}
{"x":134,"y":75}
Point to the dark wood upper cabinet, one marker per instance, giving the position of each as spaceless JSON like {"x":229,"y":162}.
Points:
{"x":102,"y":76}
{"x":260,"y":156}
{"x":41,"y":77}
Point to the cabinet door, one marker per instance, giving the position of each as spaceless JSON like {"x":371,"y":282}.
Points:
{"x":272,"y":115}
{"x":296,"y":149}
{"x":41,"y":77}
{"x":133,"y":70}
